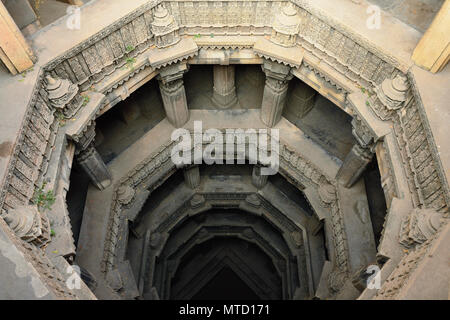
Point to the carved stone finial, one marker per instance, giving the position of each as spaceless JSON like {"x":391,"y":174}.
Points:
{"x":393,"y":92}
{"x":60,"y":91}
{"x":25,"y":222}
{"x":164,"y":28}
{"x":125,"y":194}
{"x":419,"y":226}
{"x":197,"y":201}
{"x":286,"y":26}
{"x":327,"y":194}
{"x":253,"y":200}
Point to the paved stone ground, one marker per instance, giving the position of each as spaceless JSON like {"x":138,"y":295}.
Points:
{"x":416,"y":13}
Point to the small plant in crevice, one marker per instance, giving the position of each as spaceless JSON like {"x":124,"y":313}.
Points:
{"x":44,"y":200}
{"x":61,"y":119}
{"x":86,"y":99}
{"x":369,"y":94}
{"x":24,"y":74}
{"x":52,"y":233}
{"x":129,"y":49}
{"x":129,"y":61}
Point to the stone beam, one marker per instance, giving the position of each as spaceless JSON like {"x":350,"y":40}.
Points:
{"x":433,"y":51}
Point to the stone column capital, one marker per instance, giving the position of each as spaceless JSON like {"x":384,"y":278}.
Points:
{"x":277,"y":71}
{"x":172,"y":73}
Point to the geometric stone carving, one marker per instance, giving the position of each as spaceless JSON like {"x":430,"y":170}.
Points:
{"x":164,"y":28}
{"x":286,"y":27}
{"x":28,"y":224}
{"x":419,"y":226}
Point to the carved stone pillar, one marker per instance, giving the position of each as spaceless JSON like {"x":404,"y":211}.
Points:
{"x":93,"y":165}
{"x":192,"y":176}
{"x":354,"y":165}
{"x":358,"y":158}
{"x":258,"y":180}
{"x":275,"y":92}
{"x":174,"y":95}
{"x":224,"y":87}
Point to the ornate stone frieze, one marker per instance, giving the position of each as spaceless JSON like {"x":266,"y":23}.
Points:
{"x":416,"y":145}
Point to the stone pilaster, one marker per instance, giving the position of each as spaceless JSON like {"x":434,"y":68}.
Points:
{"x":258,"y":180}
{"x":174,"y":95}
{"x":91,"y":162}
{"x":224,"y":86}
{"x":275,"y":92}
{"x":192,"y":176}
